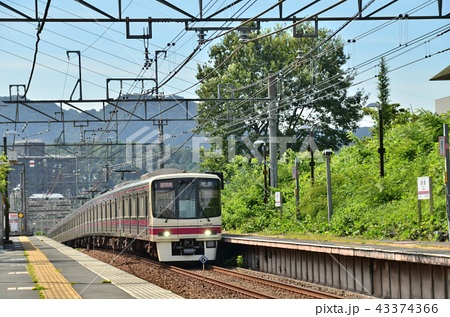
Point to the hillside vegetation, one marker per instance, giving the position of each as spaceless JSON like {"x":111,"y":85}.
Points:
{"x":364,"y":204}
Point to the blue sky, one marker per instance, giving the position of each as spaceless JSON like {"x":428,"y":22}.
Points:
{"x":106,"y":53}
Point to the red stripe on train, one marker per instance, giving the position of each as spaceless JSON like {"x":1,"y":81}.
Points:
{"x":185,"y":230}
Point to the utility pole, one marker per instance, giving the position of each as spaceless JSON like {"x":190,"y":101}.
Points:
{"x":446,"y":178}
{"x":311,"y":150}
{"x":381,"y":150}
{"x":266,"y":189}
{"x":161,"y":144}
{"x":272,"y":92}
{"x":297,"y":189}
{"x":6,"y":198}
{"x":327,"y":154}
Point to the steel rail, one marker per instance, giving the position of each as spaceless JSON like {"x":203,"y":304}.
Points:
{"x":245,"y":291}
{"x":287,"y":287}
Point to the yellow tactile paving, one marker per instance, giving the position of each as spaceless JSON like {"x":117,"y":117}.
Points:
{"x":54,"y":284}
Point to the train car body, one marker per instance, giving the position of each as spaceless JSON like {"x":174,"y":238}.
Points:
{"x":172,"y":216}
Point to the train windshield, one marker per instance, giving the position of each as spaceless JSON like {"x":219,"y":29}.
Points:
{"x":186,"y":198}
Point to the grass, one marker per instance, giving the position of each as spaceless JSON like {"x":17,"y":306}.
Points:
{"x":32,"y":272}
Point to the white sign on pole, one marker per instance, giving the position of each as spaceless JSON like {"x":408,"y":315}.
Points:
{"x":423,"y":187}
{"x":442,"y":145}
{"x":277,"y":199}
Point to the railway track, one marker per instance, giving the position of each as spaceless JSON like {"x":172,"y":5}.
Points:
{"x":211,"y":282}
{"x":234,"y":281}
{"x":247,"y":285}
{"x":277,"y":286}
{"x":220,"y":283}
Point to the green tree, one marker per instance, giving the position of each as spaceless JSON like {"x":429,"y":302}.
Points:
{"x":383,"y":83}
{"x":312,"y":89}
{"x":390,"y":110}
{"x":4,"y":169}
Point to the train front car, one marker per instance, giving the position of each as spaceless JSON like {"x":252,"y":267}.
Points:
{"x":185,"y":221}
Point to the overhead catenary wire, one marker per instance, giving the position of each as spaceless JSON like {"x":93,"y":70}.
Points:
{"x":317,"y":46}
{"x":189,"y":58}
{"x":180,"y":68}
{"x":196,"y":50}
{"x":38,"y":38}
{"x":304,"y":92}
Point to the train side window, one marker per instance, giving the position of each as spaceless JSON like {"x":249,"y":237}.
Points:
{"x":146,"y":207}
{"x":141,"y":206}
{"x":97,"y":216}
{"x":114,"y":208}
{"x":120,"y":207}
{"x":91,"y":219}
{"x":131,"y":211}
{"x":109,"y":211}
{"x":133,"y":203}
{"x":126,"y":209}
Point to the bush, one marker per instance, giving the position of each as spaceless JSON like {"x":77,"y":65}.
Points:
{"x":363,"y":204}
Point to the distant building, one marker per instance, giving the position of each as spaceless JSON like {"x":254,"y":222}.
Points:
{"x":44,"y":174}
{"x":442,"y":105}
{"x":44,"y":187}
{"x":43,"y":213}
{"x":30,"y":148}
{"x":45,"y":196}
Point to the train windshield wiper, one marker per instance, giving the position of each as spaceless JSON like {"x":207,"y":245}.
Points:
{"x":204,"y":214}
{"x":170,"y":212}
{"x":166,"y":210}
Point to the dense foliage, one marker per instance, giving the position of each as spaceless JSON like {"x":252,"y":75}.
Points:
{"x":3,"y":172}
{"x":4,"y":169}
{"x":364,"y":205}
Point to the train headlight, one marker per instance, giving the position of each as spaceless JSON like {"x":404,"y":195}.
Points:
{"x":164,"y":233}
{"x":209,"y":232}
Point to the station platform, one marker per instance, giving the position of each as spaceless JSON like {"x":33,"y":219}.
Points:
{"x":40,"y":268}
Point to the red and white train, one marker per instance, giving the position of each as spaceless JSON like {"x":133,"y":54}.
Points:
{"x":171,"y":215}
